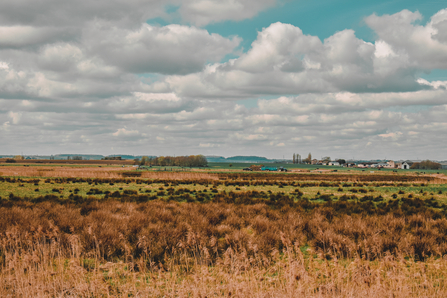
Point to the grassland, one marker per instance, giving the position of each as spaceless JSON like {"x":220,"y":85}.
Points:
{"x":96,"y":230}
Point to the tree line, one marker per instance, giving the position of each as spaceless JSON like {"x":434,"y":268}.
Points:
{"x":426,"y":165}
{"x":180,"y":161}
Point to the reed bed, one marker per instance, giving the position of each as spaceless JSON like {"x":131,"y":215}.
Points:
{"x":198,"y":174}
{"x":50,"y":251}
{"x":180,"y":175}
{"x":289,"y":275}
{"x":69,"y":172}
{"x":102,"y":173}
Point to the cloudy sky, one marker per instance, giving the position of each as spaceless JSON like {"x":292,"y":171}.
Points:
{"x":224,"y":77}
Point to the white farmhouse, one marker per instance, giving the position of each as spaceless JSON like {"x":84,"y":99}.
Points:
{"x":406,"y":165}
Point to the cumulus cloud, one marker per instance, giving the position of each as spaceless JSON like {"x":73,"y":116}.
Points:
{"x":24,"y":36}
{"x":202,"y":12}
{"x":127,"y":133}
{"x":172,"y":49}
{"x":98,"y":77}
{"x":127,"y":12}
{"x":283,"y":60}
{"x":75,"y":13}
{"x":424,"y":47}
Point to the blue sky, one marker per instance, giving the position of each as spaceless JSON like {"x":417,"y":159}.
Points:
{"x":324,"y":18}
{"x":364,"y":79}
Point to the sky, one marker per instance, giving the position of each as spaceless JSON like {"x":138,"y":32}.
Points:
{"x":344,"y":79}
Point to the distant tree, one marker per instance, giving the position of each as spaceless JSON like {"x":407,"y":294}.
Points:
{"x":182,"y":161}
{"x":308,"y":159}
{"x":201,"y":160}
{"x":112,"y":158}
{"x":426,"y":165}
{"x":326,"y":159}
{"x":19,"y":157}
{"x":341,"y":161}
{"x":77,"y":157}
{"x":293,"y":159}
{"x":144,"y":160}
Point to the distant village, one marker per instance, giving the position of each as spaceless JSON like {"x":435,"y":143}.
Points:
{"x":325,"y":161}
{"x":404,"y":165}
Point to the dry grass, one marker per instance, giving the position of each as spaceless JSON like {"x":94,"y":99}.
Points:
{"x":107,"y":172}
{"x":41,"y":270}
{"x":99,"y":172}
{"x":69,"y":172}
{"x":68,"y":162}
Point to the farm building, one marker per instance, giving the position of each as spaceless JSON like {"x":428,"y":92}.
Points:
{"x":390,"y":164}
{"x":406,"y":165}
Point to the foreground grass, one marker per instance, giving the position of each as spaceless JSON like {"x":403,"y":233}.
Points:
{"x":41,"y":273}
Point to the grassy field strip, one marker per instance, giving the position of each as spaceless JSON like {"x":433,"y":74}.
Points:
{"x":33,"y":188}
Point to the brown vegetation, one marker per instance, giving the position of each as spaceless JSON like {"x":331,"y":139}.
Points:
{"x":354,"y":177}
{"x":70,"y":162}
{"x":98,"y":172}
{"x":169,"y":173}
{"x":426,"y":165}
{"x":181,"y":161}
{"x":197,"y":250}
{"x":119,"y":228}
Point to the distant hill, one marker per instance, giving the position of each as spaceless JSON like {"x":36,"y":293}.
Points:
{"x":124,"y":156}
{"x":84,"y":156}
{"x":215,"y":158}
{"x":247,"y":158}
{"x":241,"y":159}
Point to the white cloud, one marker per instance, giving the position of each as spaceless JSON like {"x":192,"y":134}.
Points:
{"x":74,"y":13}
{"x":425,"y":46}
{"x":336,"y":96}
{"x":127,"y":12}
{"x":125,"y":132}
{"x":391,"y":135}
{"x":4,"y":65}
{"x":284,"y":60}
{"x":207,"y":145}
{"x":171,"y":49}
{"x":42,"y":86}
{"x":203,"y":12}
{"x":15,"y":117}
{"x":279,"y":45}
{"x":23,"y":36}
{"x":5,"y":125}
{"x":156,"y":96}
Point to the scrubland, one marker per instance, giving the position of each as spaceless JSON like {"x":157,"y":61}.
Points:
{"x":205,"y":234}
